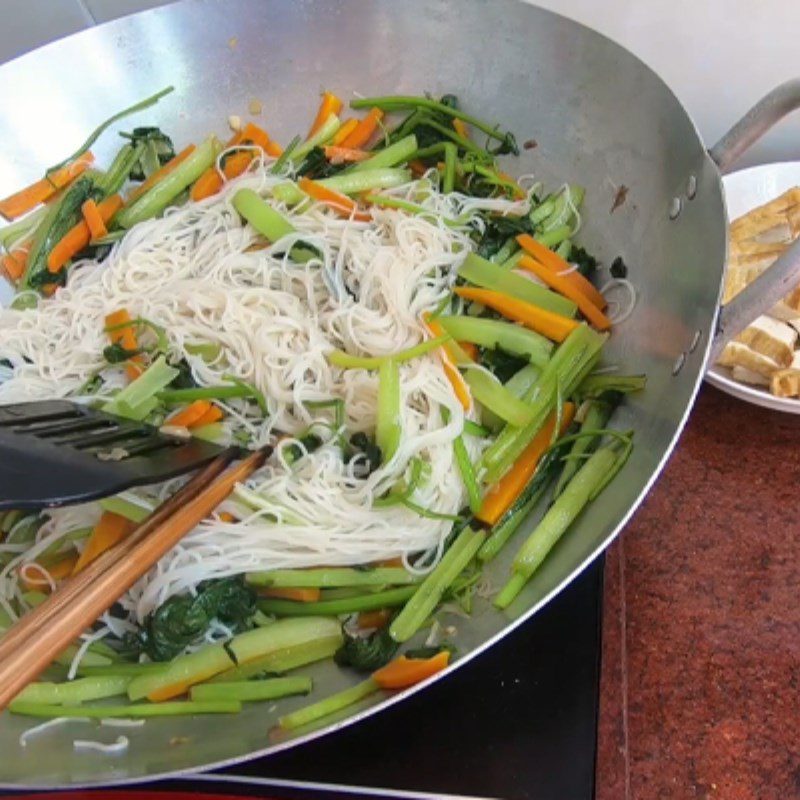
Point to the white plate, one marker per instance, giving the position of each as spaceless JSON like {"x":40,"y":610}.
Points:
{"x":744,"y":191}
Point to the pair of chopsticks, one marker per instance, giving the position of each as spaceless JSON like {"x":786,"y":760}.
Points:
{"x":31,"y":645}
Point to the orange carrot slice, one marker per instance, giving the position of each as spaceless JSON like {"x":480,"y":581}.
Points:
{"x":124,"y":334}
{"x":340,"y":203}
{"x":214,"y":414}
{"x":404,"y":672}
{"x":23,"y":201}
{"x":553,"y":326}
{"x":559,"y":266}
{"x":236,"y":164}
{"x":460,"y":388}
{"x":15,"y":262}
{"x":504,"y":494}
{"x":111,"y":529}
{"x":363,"y":131}
{"x":93,"y":218}
{"x":344,"y":131}
{"x":374,"y":619}
{"x":558,"y":283}
{"x":470,"y":349}
{"x":305,"y":594}
{"x":330,"y":104}
{"x":79,"y":236}
{"x":187,"y":417}
{"x":461,"y":127}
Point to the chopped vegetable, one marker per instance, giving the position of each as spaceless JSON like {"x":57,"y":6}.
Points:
{"x":347,"y":361}
{"x":110,"y":529}
{"x":184,"y":620}
{"x":506,"y":491}
{"x":591,"y":478}
{"x":132,"y":401}
{"x":388,"y":428}
{"x":391,"y":156}
{"x":492,"y":334}
{"x":458,"y":383}
{"x":551,"y":325}
{"x":189,"y":416}
{"x":484,"y":273}
{"x":329,"y":705}
{"x":589,"y":310}
{"x":371,"y":601}
{"x":187,"y":670}
{"x":78,"y":237}
{"x":160,"y":194}
{"x":436,"y":583}
{"x":135,"y":711}
{"x":21,"y":202}
{"x":75,"y":692}
{"x":345,"y":155}
{"x":367,"y":653}
{"x":330,"y":105}
{"x":326,"y":577}
{"x":62,"y":568}
{"x":339,"y":203}
{"x":298,"y":594}
{"x":404,"y":672}
{"x":364,"y":130}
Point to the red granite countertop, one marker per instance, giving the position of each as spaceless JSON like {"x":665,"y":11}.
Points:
{"x":700,"y":695}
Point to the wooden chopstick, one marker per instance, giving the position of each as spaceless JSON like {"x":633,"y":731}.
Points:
{"x":72,"y":613}
{"x":74,"y":586}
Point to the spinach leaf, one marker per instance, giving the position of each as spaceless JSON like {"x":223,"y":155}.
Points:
{"x":183,"y":620}
{"x":367,"y":653}
{"x":498,"y":230}
{"x":501,"y":364}
{"x":361,"y":443}
{"x":158,"y":150}
{"x":586,"y":262}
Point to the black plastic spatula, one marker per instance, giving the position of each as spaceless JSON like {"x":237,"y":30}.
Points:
{"x":56,"y":453}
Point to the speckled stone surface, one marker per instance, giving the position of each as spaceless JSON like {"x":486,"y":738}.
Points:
{"x":700,"y":694}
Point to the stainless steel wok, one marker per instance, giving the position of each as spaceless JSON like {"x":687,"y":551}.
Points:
{"x":600,"y":117}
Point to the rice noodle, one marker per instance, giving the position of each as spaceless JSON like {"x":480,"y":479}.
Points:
{"x":205,"y":277}
{"x":619,"y":311}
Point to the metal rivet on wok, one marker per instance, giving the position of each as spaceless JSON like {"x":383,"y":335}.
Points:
{"x":679,"y":362}
{"x":691,"y":187}
{"x":698,"y":335}
{"x":675,"y":206}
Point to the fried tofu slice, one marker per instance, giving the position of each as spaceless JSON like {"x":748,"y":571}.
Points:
{"x":772,"y":338}
{"x":786,"y":382}
{"x":744,"y":375}
{"x":737,"y":354}
{"x":770,"y":222}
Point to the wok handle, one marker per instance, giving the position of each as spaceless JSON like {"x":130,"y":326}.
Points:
{"x":766,"y":290}
{"x":768,"y":111}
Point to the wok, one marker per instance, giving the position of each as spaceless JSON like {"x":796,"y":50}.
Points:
{"x":600,"y":117}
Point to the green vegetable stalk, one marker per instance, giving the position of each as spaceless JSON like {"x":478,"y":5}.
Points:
{"x":329,"y":705}
{"x":135,"y":711}
{"x":590,"y":479}
{"x":331,"y":577}
{"x":397,"y":153}
{"x":345,"y":605}
{"x":341,"y":359}
{"x":74,"y":692}
{"x":247,"y":691}
{"x":388,"y":427}
{"x":436,"y":583}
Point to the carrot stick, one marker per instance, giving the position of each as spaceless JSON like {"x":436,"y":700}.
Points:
{"x":305,"y":594}
{"x":404,"y":672}
{"x":460,"y":388}
{"x":14,"y":263}
{"x":21,"y":202}
{"x":79,"y":236}
{"x":159,"y":174}
{"x":556,"y":282}
{"x":93,"y":219}
{"x":214,"y":414}
{"x":417,"y":167}
{"x":330,"y":104}
{"x":208,"y":184}
{"x":126,"y":337}
{"x":362,"y":133}
{"x":61,"y":569}
{"x":188,"y":416}
{"x":344,"y":131}
{"x":236,"y":164}
{"x":344,"y":155}
{"x":557,"y":265}
{"x":374,"y":619}
{"x":111,"y":529}
{"x":340,"y":203}
{"x":505,"y":493}
{"x":551,"y":325}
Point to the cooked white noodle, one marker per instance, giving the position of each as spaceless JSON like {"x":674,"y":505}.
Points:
{"x":197,"y":273}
